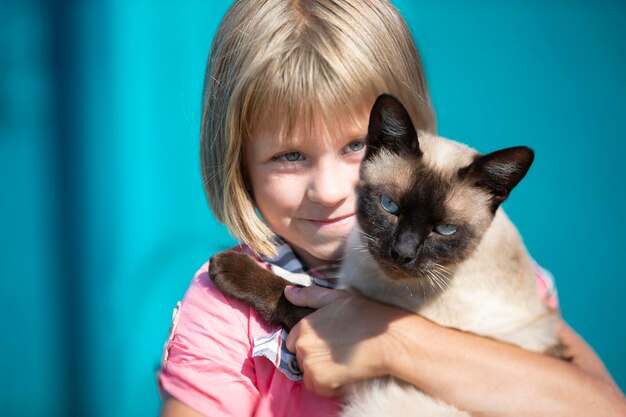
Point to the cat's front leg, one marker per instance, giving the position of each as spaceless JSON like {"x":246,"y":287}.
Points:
{"x":240,"y":277}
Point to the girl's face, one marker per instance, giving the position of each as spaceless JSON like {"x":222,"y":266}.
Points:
{"x":305,"y":187}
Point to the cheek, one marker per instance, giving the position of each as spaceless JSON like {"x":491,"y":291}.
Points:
{"x":352,"y":173}
{"x":275,"y":195}
{"x":457,"y":249}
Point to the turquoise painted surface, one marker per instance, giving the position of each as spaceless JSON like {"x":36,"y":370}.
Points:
{"x":103,"y":215}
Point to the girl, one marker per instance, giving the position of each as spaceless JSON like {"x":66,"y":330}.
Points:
{"x":288,"y":89}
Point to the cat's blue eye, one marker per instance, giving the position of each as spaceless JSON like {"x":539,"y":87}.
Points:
{"x":446,"y":229}
{"x":389,"y":205}
{"x":291,"y":156}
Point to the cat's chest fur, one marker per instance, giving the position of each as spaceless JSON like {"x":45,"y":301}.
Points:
{"x":494,"y":293}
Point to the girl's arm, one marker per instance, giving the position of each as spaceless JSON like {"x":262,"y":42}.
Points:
{"x":352,"y":338}
{"x":205,"y":359}
{"x":171,"y":407}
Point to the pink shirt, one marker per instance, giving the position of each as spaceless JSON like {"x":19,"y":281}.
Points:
{"x":207,"y":362}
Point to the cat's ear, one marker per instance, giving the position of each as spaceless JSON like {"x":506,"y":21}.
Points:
{"x":499,"y":172}
{"x":390,"y":127}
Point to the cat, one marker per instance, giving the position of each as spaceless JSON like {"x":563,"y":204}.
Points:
{"x":432,"y":239}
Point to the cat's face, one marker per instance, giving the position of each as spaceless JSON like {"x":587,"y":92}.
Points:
{"x":424,"y":207}
{"x":417,"y":221}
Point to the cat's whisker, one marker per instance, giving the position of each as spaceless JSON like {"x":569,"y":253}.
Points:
{"x":439,"y":267}
{"x":443,"y":271}
{"x":361,"y":249}
{"x":444,"y":283}
{"x":439,"y":278}
{"x":368,"y":237}
{"x":432,"y":281}
{"x":408,"y":289}
{"x":444,"y":268}
{"x":423,"y":288}
{"x":437,"y":281}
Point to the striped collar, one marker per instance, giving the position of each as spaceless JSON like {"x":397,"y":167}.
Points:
{"x":273,"y":346}
{"x":325,"y":275}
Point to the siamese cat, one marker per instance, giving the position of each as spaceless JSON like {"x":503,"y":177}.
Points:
{"x":432,"y":239}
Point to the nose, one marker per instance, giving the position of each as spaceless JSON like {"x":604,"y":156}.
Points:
{"x":405,"y":248}
{"x":402,"y":258}
{"x":332,"y":182}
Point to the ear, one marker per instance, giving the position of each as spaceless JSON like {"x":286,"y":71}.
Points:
{"x":499,"y":172}
{"x":390,"y":127}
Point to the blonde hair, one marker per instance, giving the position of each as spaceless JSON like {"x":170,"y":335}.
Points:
{"x":286,"y":61}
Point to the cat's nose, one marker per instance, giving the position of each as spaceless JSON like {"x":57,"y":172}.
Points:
{"x":405,"y":246}
{"x":402,"y":258}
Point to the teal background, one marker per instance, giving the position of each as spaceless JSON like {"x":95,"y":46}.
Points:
{"x":102,"y":212}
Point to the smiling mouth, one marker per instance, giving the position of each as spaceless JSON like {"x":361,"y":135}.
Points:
{"x":333,"y":221}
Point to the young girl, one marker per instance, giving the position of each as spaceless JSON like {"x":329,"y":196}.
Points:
{"x":288,"y":89}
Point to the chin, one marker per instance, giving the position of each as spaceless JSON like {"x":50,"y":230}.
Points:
{"x":330,"y":255}
{"x":328,"y":252}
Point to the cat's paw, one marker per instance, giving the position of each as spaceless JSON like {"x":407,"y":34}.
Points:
{"x":228,"y":263}
{"x":240,"y":277}
{"x":230,"y":272}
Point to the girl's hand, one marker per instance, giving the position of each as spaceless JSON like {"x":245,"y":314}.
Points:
{"x":346,"y":340}
{"x":351,"y":338}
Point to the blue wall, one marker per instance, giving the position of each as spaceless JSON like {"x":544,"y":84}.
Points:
{"x":103,"y":215}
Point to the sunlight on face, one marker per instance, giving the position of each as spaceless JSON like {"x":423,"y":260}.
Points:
{"x":304,"y":187}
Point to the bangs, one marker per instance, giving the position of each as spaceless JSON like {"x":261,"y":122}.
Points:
{"x":292,"y":94}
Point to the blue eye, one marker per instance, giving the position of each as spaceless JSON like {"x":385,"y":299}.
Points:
{"x":446,"y":229}
{"x":356,"y":146}
{"x":291,"y":156}
{"x":389,"y":205}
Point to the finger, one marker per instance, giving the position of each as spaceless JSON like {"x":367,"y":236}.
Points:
{"x":290,"y":343}
{"x":313,"y":296}
{"x":343,"y":391}
{"x":321,"y":389}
